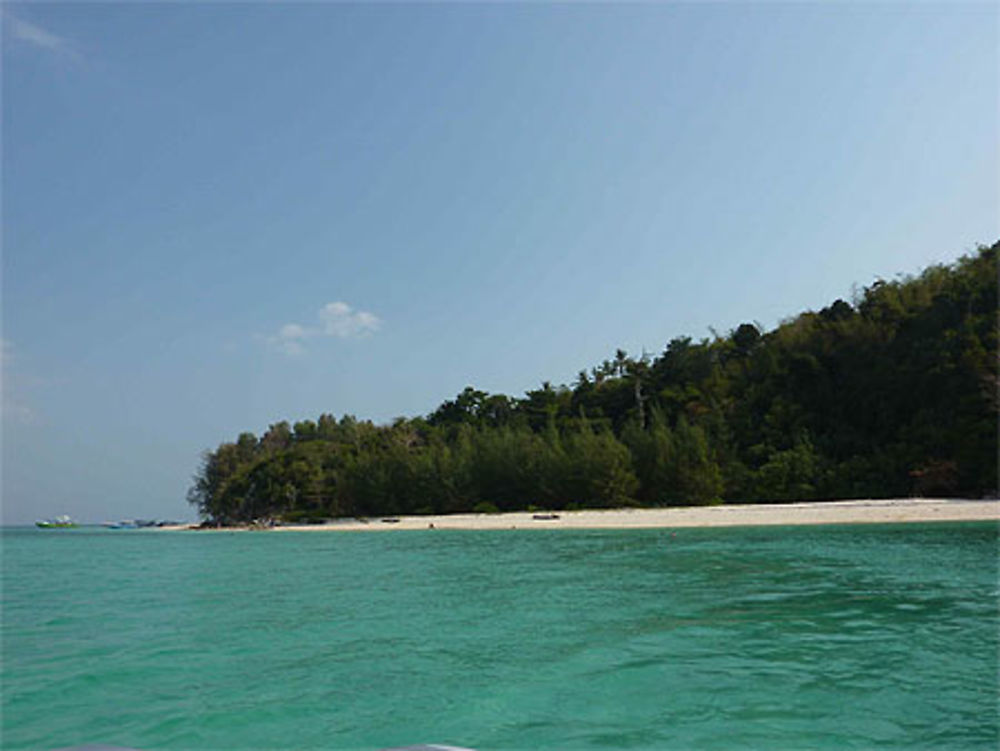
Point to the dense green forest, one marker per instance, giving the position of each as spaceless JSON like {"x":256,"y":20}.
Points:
{"x":894,"y":394}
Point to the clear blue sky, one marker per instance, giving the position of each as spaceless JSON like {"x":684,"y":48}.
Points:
{"x":219,"y":216}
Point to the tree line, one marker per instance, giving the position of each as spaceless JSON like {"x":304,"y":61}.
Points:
{"x":891,"y":394}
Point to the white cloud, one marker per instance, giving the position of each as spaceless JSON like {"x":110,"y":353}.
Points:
{"x":341,"y":321}
{"x":39,"y":37}
{"x":336,"y":319}
{"x":292,"y":331}
{"x":289,"y":339}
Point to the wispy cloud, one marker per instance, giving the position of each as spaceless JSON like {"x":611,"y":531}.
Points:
{"x":340,"y":321}
{"x":289,"y":339}
{"x":36,"y":36}
{"x":336,"y":319}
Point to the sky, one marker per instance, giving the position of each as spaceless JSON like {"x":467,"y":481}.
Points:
{"x":220,"y":216}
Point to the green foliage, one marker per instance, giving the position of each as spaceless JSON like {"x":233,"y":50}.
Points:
{"x":789,"y":474}
{"x":595,"y":469}
{"x":485,"y":507}
{"x":890,"y":394}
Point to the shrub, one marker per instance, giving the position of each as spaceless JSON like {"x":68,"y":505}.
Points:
{"x":485,"y":507}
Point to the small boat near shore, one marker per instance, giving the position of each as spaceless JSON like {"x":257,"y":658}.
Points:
{"x":138,"y":524}
{"x":134,"y":524}
{"x":124,"y":524}
{"x":60,"y":522}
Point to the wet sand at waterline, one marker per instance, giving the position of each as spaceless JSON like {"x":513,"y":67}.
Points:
{"x":830,"y":512}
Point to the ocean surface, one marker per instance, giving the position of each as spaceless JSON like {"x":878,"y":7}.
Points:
{"x":841,"y":637}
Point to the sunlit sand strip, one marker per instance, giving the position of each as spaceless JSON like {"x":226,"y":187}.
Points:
{"x":834,"y":512}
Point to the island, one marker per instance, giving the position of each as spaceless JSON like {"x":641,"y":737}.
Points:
{"x":890,"y":395}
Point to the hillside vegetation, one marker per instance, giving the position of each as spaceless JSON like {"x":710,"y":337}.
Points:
{"x":893,"y":394}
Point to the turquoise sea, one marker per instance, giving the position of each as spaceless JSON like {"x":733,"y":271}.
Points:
{"x":755,"y":638}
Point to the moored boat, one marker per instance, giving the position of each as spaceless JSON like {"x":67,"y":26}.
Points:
{"x":57,"y":523}
{"x":123,"y":524}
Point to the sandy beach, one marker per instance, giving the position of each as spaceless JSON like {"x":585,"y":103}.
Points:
{"x":834,"y":512}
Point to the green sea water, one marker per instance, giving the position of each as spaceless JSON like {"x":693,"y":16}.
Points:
{"x":757,"y":638}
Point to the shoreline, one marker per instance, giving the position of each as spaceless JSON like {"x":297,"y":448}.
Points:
{"x":891,"y":511}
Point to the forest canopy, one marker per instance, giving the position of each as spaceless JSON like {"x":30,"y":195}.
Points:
{"x":892,"y":394}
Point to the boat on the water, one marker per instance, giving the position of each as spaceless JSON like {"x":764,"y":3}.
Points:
{"x":132,"y":524}
{"x":57,"y":523}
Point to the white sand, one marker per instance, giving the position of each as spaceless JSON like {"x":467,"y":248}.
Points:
{"x":836,"y":512}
